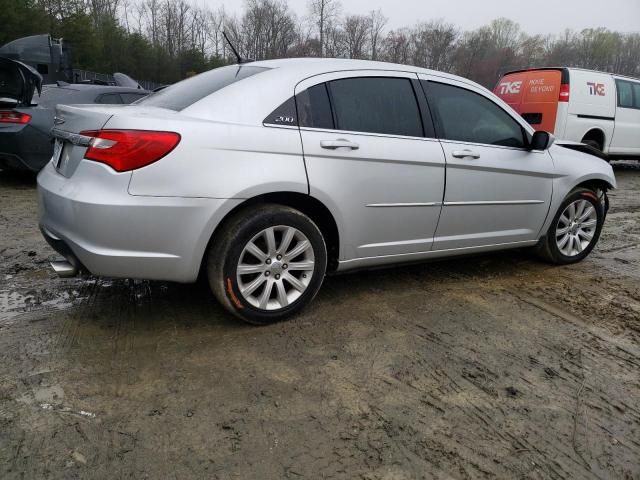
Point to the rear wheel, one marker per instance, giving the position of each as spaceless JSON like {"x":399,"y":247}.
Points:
{"x":267,"y":264}
{"x":575,"y":229}
{"x":593,"y":143}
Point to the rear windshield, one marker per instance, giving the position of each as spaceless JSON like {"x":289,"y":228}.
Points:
{"x":186,"y":93}
{"x":52,"y":96}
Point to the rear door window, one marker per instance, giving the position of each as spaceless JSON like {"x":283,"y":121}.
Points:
{"x":187,"y":92}
{"x":314,"y":108}
{"x":636,"y":94}
{"x":465,"y":116}
{"x":381,"y":105}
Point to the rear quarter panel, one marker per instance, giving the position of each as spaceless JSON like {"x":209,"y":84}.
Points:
{"x":220,"y":160}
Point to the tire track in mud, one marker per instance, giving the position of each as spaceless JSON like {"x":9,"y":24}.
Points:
{"x":570,"y":461}
{"x":608,"y":349}
{"x":519,"y":444}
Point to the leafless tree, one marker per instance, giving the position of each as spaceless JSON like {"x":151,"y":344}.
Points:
{"x":377,"y":22}
{"x":356,"y":34}
{"x":267,"y":29}
{"x":397,"y":46}
{"x":434,"y":45}
{"x":324,"y":13}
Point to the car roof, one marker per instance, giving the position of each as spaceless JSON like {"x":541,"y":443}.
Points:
{"x":307,"y":67}
{"x":567,"y":69}
{"x":97,"y":88}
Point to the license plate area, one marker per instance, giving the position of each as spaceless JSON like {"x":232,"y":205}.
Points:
{"x":63,"y":151}
{"x":58,"y":146}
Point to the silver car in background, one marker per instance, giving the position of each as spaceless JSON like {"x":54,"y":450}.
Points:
{"x":266,"y":176}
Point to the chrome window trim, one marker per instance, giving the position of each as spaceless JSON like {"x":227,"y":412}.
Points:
{"x":391,"y":205}
{"x":488,"y":145}
{"x":367,"y":134}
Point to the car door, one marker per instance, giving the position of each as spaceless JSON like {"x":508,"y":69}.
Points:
{"x":498,"y":192}
{"x":626,"y":136}
{"x":371,"y":156}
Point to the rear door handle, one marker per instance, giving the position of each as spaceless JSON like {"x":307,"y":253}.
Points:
{"x":340,"y":143}
{"x":465,"y":154}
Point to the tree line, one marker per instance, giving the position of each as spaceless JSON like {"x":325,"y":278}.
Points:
{"x":166,"y":40}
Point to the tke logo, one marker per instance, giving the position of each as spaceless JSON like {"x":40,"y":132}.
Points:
{"x":510,"y":87}
{"x":596,"y":89}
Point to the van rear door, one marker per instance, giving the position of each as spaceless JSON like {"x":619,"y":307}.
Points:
{"x":534,"y":95}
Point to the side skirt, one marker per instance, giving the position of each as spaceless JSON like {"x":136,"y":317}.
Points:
{"x":393,"y":260}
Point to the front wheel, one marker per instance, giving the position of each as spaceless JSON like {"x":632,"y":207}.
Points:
{"x":576,"y":228}
{"x":267,"y":263}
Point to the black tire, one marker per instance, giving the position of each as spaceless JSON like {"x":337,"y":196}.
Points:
{"x":226,"y":249}
{"x":593,"y":144}
{"x":548,"y":248}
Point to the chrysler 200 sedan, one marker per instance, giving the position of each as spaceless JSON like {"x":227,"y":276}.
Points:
{"x":267,"y":176}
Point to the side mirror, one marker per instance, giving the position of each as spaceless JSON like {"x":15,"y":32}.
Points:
{"x":541,"y":141}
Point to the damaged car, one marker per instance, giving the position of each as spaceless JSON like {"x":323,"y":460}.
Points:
{"x":27,"y":111}
{"x":343,"y":165}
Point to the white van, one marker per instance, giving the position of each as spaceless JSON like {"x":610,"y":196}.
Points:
{"x":596,"y":108}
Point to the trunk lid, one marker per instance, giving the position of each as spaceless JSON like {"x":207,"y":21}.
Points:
{"x":18,"y":83}
{"x":71,"y":120}
{"x":68,"y":122}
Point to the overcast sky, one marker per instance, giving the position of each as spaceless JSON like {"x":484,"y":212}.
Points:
{"x":534,"y":16}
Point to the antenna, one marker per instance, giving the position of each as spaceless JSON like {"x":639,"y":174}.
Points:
{"x":233,"y":49}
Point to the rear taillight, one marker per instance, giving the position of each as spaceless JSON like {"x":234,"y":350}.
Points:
{"x":564,"y":93}
{"x":14,"y":117}
{"x":125,"y":150}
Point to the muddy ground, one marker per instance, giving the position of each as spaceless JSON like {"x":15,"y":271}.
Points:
{"x":488,"y":367}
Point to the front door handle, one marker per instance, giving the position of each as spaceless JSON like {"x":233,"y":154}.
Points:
{"x":340,"y":143}
{"x":465,"y":154}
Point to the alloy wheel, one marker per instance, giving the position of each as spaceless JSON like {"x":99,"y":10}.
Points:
{"x":576,"y":227}
{"x":275,"y":267}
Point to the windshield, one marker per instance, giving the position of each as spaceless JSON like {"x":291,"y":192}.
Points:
{"x":187,"y":92}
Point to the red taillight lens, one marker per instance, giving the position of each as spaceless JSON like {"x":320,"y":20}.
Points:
{"x":564,"y":93}
{"x":125,"y":150}
{"x":14,"y":117}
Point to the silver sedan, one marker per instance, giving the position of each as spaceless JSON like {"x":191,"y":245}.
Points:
{"x":269,"y":175}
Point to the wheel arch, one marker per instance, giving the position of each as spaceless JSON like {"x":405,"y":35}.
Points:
{"x":597,"y":134}
{"x":310,"y":206}
{"x":595,"y":182}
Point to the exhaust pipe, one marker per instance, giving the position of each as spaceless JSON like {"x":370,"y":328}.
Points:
{"x":64,"y":269}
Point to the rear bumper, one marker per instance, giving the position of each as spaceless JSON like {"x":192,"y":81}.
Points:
{"x":92,"y":221}
{"x":62,"y":248}
{"x":24,"y":148}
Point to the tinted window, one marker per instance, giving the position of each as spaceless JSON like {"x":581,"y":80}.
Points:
{"x":285,"y":114}
{"x":376,"y":105}
{"x":131,"y":97}
{"x":54,"y":95}
{"x":314,"y":108}
{"x":625,"y":94}
{"x":636,"y":94}
{"x":109,"y":98}
{"x":187,"y":92}
{"x":465,"y":116}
